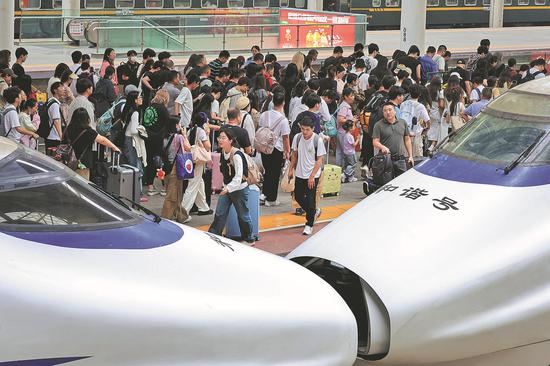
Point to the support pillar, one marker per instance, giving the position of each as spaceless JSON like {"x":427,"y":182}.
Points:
{"x":496,"y":15}
{"x":413,"y":24}
{"x":71,"y":9}
{"x":7,"y":19}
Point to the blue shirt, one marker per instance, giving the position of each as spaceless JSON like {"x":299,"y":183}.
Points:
{"x":474,"y":108}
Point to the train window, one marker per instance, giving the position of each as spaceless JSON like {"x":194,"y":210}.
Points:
{"x":433,"y":2}
{"x":124,"y":3}
{"x":237,"y":4}
{"x":283,"y":3}
{"x":392,"y":3}
{"x":209,"y":3}
{"x":154,"y":4}
{"x":94,"y":4}
{"x":29,"y":4}
{"x":451,"y":2}
{"x":57,"y":4}
{"x":300,"y":3}
{"x":486,"y":2}
{"x":182,"y":3}
{"x":507,"y":2}
{"x":523,"y":2}
{"x":377,"y":3}
{"x":470,"y":2}
{"x":540,"y":2}
{"x":261,"y":3}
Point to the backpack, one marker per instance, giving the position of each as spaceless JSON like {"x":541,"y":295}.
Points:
{"x":162,"y":161}
{"x":478,"y":93}
{"x":409,"y":112}
{"x":44,"y":128}
{"x":65,"y":153}
{"x":427,"y":66}
{"x":265,"y":139}
{"x":3,"y":114}
{"x":100,"y":102}
{"x":224,"y":107}
{"x":529,"y":76}
{"x":374,"y":107}
{"x":251,"y":173}
{"x":472,"y":62}
{"x":331,"y":126}
{"x":105,"y":122}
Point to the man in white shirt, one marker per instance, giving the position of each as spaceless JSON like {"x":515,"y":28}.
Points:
{"x":439,"y":57}
{"x":84,"y":88}
{"x":12,"y":126}
{"x":370,"y":61}
{"x":76,"y":56}
{"x":277,"y":122}
{"x":54,"y":115}
{"x":183,"y":106}
{"x":362,"y":75}
{"x":324,"y":113}
{"x":308,"y":150}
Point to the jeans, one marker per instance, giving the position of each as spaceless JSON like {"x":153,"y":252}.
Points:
{"x":272,"y":165}
{"x":239,"y":199}
{"x":399,"y":167}
{"x":348,"y":165}
{"x":305,"y":197}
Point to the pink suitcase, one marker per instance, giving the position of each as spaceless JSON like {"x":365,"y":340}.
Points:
{"x":217,"y":177}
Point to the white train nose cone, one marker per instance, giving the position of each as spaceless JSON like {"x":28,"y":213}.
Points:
{"x":199,"y":301}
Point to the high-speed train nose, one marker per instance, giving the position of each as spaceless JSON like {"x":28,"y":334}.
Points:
{"x":203,"y":300}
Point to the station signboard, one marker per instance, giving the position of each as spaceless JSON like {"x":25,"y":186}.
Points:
{"x":319,"y":33}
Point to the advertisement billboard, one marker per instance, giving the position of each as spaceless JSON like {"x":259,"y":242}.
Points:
{"x":319,"y":33}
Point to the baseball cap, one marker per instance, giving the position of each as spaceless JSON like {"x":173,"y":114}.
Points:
{"x":8,"y":71}
{"x":456,"y":74}
{"x":460,"y":62}
{"x":130,"y":88}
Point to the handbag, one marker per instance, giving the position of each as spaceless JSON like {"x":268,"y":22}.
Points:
{"x":457,"y":122}
{"x":200,"y":154}
{"x":287,"y":184}
{"x":185,"y":169}
{"x":66,"y":155}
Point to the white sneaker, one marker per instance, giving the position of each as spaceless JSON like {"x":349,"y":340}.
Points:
{"x":317,"y":213}
{"x":187,"y":220}
{"x":262,"y":197}
{"x":308,"y":230}
{"x":272,"y":204}
{"x":352,"y":179}
{"x":152,"y":192}
{"x":343,"y":178}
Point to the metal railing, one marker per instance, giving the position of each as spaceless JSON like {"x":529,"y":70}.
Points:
{"x":229,"y":37}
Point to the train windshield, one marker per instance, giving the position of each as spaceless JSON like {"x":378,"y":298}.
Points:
{"x":36,"y":194}
{"x":493,"y":138}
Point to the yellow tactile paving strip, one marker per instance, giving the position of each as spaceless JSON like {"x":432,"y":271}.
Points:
{"x":284,"y":220}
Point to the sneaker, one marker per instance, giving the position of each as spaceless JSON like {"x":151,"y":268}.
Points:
{"x":143,"y":200}
{"x":152,"y":192}
{"x":431,"y":148}
{"x":163,"y":192}
{"x":187,"y":220}
{"x":299,"y":211}
{"x":308,"y":230}
{"x":272,"y":204}
{"x":250,"y":242}
{"x":262,"y":199}
{"x":343,"y":178}
{"x":317,"y":213}
{"x":194,"y":210}
{"x":352,"y":179}
{"x":205,"y":213}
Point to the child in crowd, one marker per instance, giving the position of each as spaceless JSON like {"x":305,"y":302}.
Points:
{"x":349,"y":161}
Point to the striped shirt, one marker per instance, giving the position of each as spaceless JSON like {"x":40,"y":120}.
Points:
{"x":215,"y":67}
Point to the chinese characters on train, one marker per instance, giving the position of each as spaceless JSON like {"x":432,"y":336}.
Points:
{"x":441,"y":203}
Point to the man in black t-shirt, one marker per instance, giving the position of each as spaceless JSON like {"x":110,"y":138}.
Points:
{"x":411,"y":61}
{"x":465,"y":77}
{"x":234,"y":124}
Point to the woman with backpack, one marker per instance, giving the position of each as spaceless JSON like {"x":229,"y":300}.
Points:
{"x":81,"y":136}
{"x":235,"y":192}
{"x":173,"y":143}
{"x":195,"y":193}
{"x":29,"y":120}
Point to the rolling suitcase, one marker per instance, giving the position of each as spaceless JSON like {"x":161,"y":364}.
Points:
{"x":332,"y":179}
{"x":123,"y":180}
{"x":232,"y":229}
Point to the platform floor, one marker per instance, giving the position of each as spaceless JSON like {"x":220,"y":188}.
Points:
{"x":44,"y":55}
